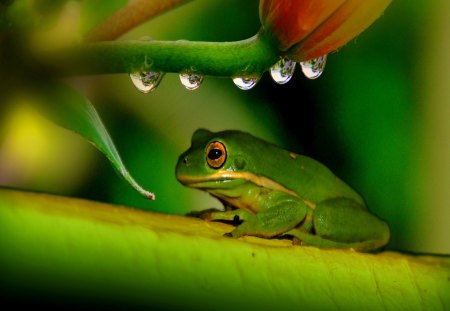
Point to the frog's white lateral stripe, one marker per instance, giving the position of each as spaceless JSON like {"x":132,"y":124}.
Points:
{"x":257,"y":180}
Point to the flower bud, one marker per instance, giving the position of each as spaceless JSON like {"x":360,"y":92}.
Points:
{"x":306,"y":29}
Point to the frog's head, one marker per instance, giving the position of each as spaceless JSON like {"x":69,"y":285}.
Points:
{"x":216,"y":160}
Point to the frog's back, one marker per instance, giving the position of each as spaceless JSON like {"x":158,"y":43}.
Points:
{"x":301,"y":174}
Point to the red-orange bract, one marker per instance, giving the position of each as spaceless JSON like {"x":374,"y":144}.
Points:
{"x":306,"y":29}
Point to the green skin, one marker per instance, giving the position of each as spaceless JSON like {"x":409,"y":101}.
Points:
{"x":274,"y":192}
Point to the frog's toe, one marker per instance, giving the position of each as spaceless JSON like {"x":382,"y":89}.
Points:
{"x":236,"y":233}
{"x":296,"y":241}
{"x":194,"y":214}
{"x":206,"y":216}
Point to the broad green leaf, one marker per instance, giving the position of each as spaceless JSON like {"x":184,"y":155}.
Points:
{"x":70,"y":110}
{"x":66,"y":251}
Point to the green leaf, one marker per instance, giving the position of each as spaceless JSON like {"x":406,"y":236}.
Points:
{"x":63,"y":251}
{"x":72,"y":111}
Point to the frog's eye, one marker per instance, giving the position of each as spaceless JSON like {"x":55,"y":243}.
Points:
{"x":216,"y":154}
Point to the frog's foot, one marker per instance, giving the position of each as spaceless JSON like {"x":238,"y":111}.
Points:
{"x":304,"y":238}
{"x":252,"y":228}
{"x":204,"y":214}
{"x":300,"y":237}
{"x":295,"y":240}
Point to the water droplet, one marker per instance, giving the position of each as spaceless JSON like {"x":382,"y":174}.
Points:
{"x":190,"y":80}
{"x":282,"y":71}
{"x":146,"y":81}
{"x":313,"y":68}
{"x":245,"y":83}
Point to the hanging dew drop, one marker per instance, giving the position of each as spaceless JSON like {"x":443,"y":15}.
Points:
{"x":282,"y":71}
{"x":313,"y":68}
{"x":190,"y":80}
{"x":245,"y":83}
{"x":146,"y":81}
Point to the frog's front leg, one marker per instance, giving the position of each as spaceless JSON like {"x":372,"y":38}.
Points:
{"x":280,"y":212}
{"x":210,"y":214}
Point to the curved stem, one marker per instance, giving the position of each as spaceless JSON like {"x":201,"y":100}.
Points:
{"x":247,"y":57}
{"x":135,"y":13}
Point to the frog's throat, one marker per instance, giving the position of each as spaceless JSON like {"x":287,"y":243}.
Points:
{"x":199,"y":181}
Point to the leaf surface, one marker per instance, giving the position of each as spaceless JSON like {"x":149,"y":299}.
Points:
{"x":86,"y":252}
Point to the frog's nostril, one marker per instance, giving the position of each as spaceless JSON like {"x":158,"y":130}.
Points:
{"x":185,"y":160}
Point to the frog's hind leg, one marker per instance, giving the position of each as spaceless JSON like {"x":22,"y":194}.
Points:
{"x":318,"y":241}
{"x":344,"y":223}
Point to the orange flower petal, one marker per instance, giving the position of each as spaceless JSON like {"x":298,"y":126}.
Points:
{"x":311,"y":28}
{"x":352,"y":18}
{"x":291,"y":20}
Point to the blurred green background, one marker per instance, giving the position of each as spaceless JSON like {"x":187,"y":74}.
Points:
{"x":378,"y":117}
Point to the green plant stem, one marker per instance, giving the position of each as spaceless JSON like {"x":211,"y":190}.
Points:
{"x":252,"y":56}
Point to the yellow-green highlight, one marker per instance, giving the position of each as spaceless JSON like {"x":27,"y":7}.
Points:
{"x":71,"y":251}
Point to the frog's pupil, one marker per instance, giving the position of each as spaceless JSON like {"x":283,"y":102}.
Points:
{"x":214,"y":154}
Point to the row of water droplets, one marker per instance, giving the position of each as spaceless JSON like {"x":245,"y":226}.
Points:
{"x":146,"y":81}
{"x":283,"y":71}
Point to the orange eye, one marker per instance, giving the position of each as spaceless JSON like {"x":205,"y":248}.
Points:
{"x":216,"y":154}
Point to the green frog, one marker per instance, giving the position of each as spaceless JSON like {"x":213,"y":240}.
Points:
{"x":272,"y":192}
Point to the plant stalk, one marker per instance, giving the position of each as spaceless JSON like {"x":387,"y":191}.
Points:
{"x":247,"y":57}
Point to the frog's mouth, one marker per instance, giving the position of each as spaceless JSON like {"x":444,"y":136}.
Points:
{"x":214,"y":181}
{"x":230,"y":179}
